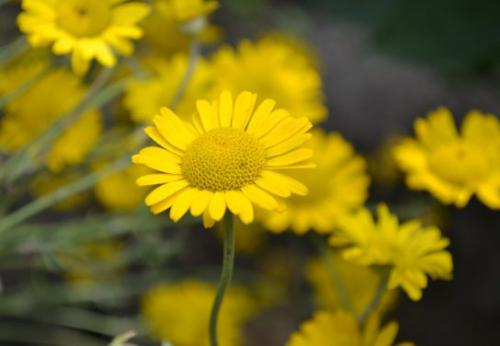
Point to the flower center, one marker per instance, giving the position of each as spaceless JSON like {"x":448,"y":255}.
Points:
{"x":84,"y":18}
{"x":459,"y":163}
{"x":223,"y":159}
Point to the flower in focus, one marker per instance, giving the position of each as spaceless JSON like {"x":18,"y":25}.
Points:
{"x":227,"y":158}
{"x":118,"y":191}
{"x":338,"y":186}
{"x":86,"y":29}
{"x":275,"y":70}
{"x":359,"y":283}
{"x":187,"y":10}
{"x":341,"y":329}
{"x":454,"y":166}
{"x":179,"y":313}
{"x":33,"y":112}
{"x":410,"y":250}
{"x":145,"y":96}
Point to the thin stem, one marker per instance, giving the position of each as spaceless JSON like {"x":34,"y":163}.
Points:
{"x":12,"y":49}
{"x":226,"y":275}
{"x":343,"y":293}
{"x":194,"y":54}
{"x":377,"y":297}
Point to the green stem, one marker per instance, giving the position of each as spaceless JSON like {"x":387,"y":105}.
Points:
{"x":377,"y":297}
{"x":46,"y":201}
{"x":226,"y":275}
{"x":343,"y":293}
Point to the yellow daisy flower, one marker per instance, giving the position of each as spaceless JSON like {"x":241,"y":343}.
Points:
{"x":86,"y":29}
{"x":340,"y":329}
{"x":227,"y":158}
{"x":144,"y":97}
{"x":339,"y":185}
{"x":410,"y":251}
{"x":32,"y":113}
{"x":187,"y":10}
{"x":276,"y":70}
{"x":454,"y":166}
{"x":179,"y":313}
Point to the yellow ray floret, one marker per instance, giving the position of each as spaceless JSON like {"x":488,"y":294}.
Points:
{"x":410,"y":251}
{"x":454,"y":166}
{"x":86,"y":29}
{"x":227,"y":159}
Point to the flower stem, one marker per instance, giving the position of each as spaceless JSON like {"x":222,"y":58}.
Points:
{"x":377,"y":297}
{"x":226,"y":275}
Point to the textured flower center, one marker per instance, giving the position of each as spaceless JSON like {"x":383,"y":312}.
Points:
{"x":84,"y":18}
{"x":223,"y":159}
{"x":459,"y":163}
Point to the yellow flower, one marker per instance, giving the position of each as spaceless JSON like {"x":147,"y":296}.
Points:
{"x":86,"y":29}
{"x":410,"y":250}
{"x":341,"y":329}
{"x":275,"y":70}
{"x":33,"y":112}
{"x":179,"y":313}
{"x":187,"y":10}
{"x":226,"y":159}
{"x":454,"y":166}
{"x":339,"y":185}
{"x":360,"y":283}
{"x":145,"y":96}
{"x":118,"y":191}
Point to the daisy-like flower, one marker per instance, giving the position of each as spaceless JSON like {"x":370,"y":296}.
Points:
{"x":340,"y":328}
{"x":295,"y":84}
{"x":30,"y":114}
{"x":227,"y":158}
{"x":86,"y":29}
{"x":187,"y":10}
{"x":410,"y":250}
{"x":144,"y":97}
{"x":338,"y":186}
{"x":454,"y":166}
{"x":179,"y":312}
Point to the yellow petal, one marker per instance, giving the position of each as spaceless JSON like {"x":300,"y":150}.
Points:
{"x":290,"y":158}
{"x":217,"y":206}
{"x":182,"y":204}
{"x":200,"y":202}
{"x":246,"y":211}
{"x":276,"y":117}
{"x":234,"y":201}
{"x":274,"y":186}
{"x":208,"y":222}
{"x":261,"y":114}
{"x":156,"y":179}
{"x":207,"y":115}
{"x":165,"y":204}
{"x":155,"y":135}
{"x":225,"y":108}
{"x":165,"y":191}
{"x":288,"y":145}
{"x":243,"y":108}
{"x":285,"y":130}
{"x":159,"y":165}
{"x":260,"y":197}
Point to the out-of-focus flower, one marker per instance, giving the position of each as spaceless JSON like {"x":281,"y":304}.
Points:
{"x":145,"y":96}
{"x":33,"y":112}
{"x":179,"y":313}
{"x":119,"y":192}
{"x":94,"y":263}
{"x":338,"y":186}
{"x":86,"y":29}
{"x":47,"y":183}
{"x":188,"y":10}
{"x":227,"y":158}
{"x":341,"y":329}
{"x":454,"y":166}
{"x":275,"y":70}
{"x":410,"y":251}
{"x":382,"y":166}
{"x":359,"y":282}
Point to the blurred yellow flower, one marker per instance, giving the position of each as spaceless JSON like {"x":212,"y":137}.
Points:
{"x":86,"y":29}
{"x":119,"y":192}
{"x":144,"y":97}
{"x":359,"y":282}
{"x":339,"y":185}
{"x":410,"y":251}
{"x":33,"y":112}
{"x":179,"y":313}
{"x":276,"y":70}
{"x":341,"y":329}
{"x":226,"y":159}
{"x":454,"y":166}
{"x":45,"y":184}
{"x":186,"y":10}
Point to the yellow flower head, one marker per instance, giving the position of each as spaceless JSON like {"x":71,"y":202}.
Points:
{"x":227,"y":158}
{"x":340,"y":329}
{"x":33,"y":112}
{"x":186,"y":10}
{"x":454,"y":166}
{"x":360,"y":284}
{"x":179,"y":313}
{"x":86,"y":29}
{"x":145,"y":96}
{"x":410,"y":250}
{"x":276,"y":70}
{"x":339,"y":185}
